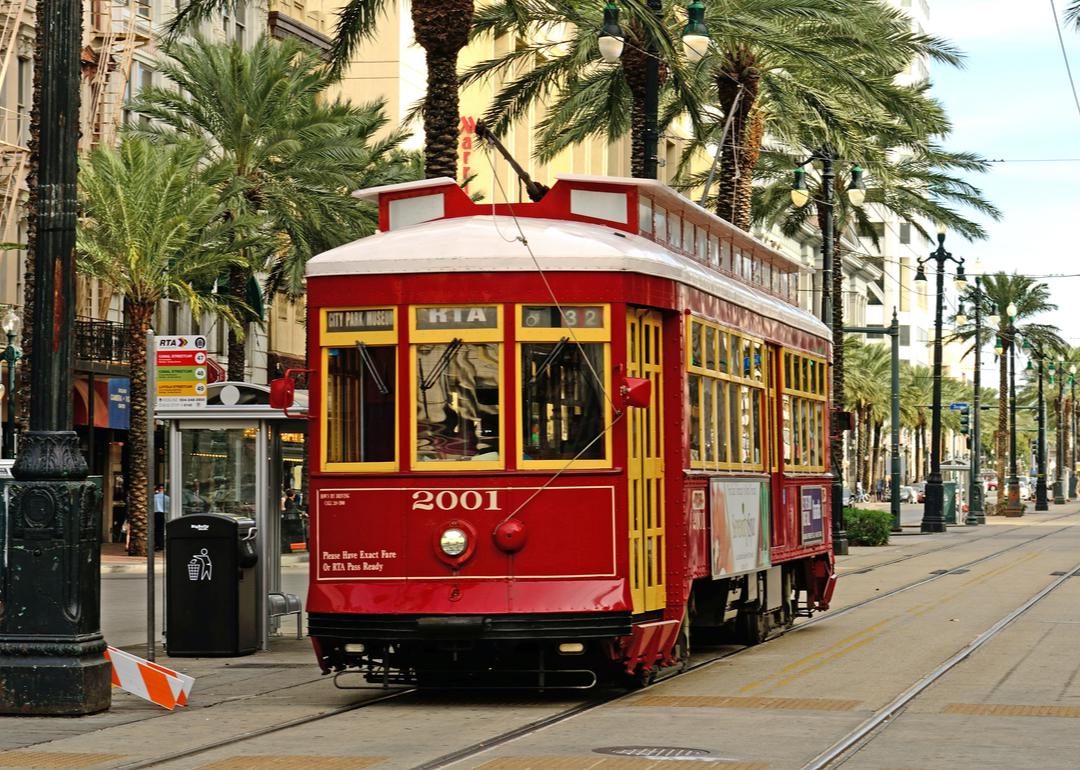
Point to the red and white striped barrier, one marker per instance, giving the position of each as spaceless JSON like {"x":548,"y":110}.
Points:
{"x":157,"y":684}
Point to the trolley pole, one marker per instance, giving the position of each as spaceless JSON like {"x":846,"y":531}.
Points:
{"x":1041,"y":503}
{"x":893,"y":330}
{"x":1059,"y":456}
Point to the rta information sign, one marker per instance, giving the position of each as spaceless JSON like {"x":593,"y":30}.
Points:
{"x":181,"y":371}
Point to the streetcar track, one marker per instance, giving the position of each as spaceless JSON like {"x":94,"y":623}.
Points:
{"x":535,"y":726}
{"x":861,"y":736}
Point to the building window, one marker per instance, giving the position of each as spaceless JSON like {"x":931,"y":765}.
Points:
{"x":905,"y":335}
{"x":905,"y":233}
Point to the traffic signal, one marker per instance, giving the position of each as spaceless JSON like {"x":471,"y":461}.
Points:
{"x":965,"y":420}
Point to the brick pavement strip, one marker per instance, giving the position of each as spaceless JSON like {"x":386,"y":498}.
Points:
{"x":292,"y":762}
{"x":52,"y":759}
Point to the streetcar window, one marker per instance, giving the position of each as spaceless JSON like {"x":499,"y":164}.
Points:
{"x":714,"y":251}
{"x":457,"y":401}
{"x":661,"y":223}
{"x":804,"y":404}
{"x":725,"y":256}
{"x":360,"y":404}
{"x":695,"y":345}
{"x":695,"y":417}
{"x":723,"y":352}
{"x":710,"y":347}
{"x":688,"y":237}
{"x":701,"y":244}
{"x":710,"y":436}
{"x":645,"y":214}
{"x":674,"y":231}
{"x":562,"y":402}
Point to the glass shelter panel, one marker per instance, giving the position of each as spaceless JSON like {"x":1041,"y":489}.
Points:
{"x":218,"y":471}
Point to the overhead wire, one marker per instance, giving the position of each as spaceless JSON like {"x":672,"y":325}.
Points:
{"x":1065,"y":56}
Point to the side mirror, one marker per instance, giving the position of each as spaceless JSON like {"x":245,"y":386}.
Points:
{"x":636,"y":392}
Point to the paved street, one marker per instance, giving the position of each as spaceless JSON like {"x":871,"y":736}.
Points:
{"x":902,"y":613}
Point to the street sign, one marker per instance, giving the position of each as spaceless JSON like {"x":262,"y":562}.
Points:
{"x":956,"y":407}
{"x":181,"y":368}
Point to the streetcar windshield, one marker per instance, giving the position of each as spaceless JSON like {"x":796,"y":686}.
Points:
{"x":457,"y":401}
{"x":562,"y":407}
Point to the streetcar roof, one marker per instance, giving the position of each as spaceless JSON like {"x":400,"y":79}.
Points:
{"x":492,"y":244}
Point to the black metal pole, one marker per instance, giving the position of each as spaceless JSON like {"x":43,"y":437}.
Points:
{"x":652,"y":95}
{"x":894,"y":428}
{"x":828,"y":175}
{"x":52,"y":654}
{"x":933,"y":512}
{"x":976,"y":514}
{"x":1041,"y":503}
{"x":1012,"y":505}
{"x":1072,"y":435}
{"x":1059,"y":455}
{"x":11,"y":355}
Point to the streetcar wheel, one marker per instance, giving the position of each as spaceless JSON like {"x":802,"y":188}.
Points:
{"x":753,"y":624}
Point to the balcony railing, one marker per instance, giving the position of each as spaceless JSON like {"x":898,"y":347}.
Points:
{"x":100,"y":341}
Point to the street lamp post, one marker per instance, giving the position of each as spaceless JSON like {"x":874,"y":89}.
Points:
{"x":695,"y":37}
{"x":1072,"y":432}
{"x":832,"y":315}
{"x":52,"y":653}
{"x":933,"y":512}
{"x":1012,"y":504}
{"x":10,"y":355}
{"x":975,"y":513}
{"x":1059,"y":455}
{"x":1041,"y":503}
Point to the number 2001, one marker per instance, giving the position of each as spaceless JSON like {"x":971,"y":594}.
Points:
{"x":451,"y":500}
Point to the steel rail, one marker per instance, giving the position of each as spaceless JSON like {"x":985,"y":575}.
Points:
{"x":538,"y":725}
{"x":853,"y":738}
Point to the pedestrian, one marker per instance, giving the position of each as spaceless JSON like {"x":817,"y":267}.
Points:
{"x":880,"y":490}
{"x":161,"y":504}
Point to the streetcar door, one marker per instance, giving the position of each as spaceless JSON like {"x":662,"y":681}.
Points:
{"x":645,"y":466}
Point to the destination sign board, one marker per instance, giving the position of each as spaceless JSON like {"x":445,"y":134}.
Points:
{"x":571,"y":317}
{"x":363,"y":320}
{"x":180,"y":371}
{"x":459,"y":317}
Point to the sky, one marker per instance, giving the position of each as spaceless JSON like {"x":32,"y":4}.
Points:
{"x":1012,"y":101}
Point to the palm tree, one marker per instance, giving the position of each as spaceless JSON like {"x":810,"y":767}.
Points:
{"x":441,"y":28}
{"x":294,"y":157}
{"x":916,"y":392}
{"x":866,"y":394}
{"x":152,"y":227}
{"x":765,"y":55}
{"x":1072,"y":12}
{"x":1030,"y":298}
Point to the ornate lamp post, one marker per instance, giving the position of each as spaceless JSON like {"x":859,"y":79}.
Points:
{"x":1059,"y":438}
{"x":933,"y":512}
{"x":975,"y":515}
{"x":832,"y":315}
{"x":10,"y":355}
{"x":1012,"y":504}
{"x":1072,"y":431}
{"x":1041,"y":503}
{"x":52,"y":654}
{"x":695,"y":38}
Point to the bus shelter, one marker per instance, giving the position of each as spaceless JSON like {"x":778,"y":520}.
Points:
{"x":238,"y":455}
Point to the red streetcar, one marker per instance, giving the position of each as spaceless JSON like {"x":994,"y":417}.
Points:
{"x":555,"y":441}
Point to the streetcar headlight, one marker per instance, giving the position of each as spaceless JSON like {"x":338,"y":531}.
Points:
{"x":453,"y":542}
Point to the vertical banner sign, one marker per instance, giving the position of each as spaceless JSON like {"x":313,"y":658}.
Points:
{"x":181,"y":371}
{"x":740,"y":527}
{"x":813,"y":522}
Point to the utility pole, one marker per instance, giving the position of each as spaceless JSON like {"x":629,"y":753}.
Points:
{"x":52,"y":654}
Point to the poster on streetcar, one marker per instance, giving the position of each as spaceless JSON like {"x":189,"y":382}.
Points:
{"x":811,"y":510}
{"x":180,"y":371}
{"x":739,"y":512}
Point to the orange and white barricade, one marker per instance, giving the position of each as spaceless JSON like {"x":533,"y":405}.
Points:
{"x":157,"y":684}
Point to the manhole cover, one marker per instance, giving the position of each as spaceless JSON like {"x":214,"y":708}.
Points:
{"x":655,"y":752}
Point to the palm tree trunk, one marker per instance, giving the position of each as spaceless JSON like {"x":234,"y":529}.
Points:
{"x":139,"y":316}
{"x":634,"y":72}
{"x":442,"y":30}
{"x":914,"y":473}
{"x":750,"y":152}
{"x":238,"y":280}
{"x":864,"y":447}
{"x":878,"y":471}
{"x":737,"y":86}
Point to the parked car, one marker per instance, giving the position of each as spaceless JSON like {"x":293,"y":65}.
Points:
{"x":989,"y":479}
{"x":907,"y":494}
{"x":920,"y":491}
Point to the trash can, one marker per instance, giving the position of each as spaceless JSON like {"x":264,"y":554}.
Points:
{"x":210,"y":596}
{"x":949,"y":509}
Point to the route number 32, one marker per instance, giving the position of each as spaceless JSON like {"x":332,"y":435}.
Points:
{"x":452,"y":500}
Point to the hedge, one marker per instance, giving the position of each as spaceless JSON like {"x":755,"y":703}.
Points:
{"x":867,"y":527}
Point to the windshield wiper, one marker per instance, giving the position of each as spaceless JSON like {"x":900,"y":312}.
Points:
{"x":549,"y":359}
{"x":369,"y":364}
{"x":427,"y":383}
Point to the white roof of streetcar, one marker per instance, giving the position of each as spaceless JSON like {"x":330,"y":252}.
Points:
{"x":492,"y":244}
